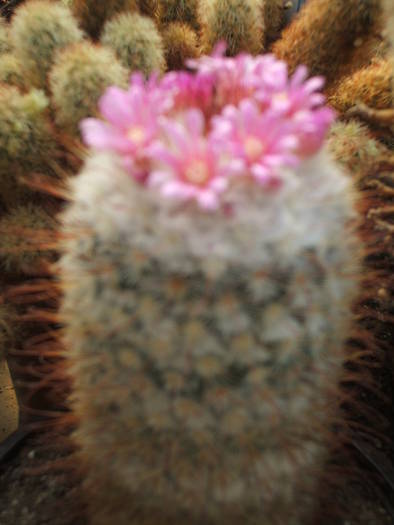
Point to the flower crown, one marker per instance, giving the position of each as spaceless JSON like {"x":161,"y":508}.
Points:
{"x":190,"y":134}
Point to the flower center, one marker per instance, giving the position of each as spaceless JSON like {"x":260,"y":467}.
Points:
{"x":253,"y":147}
{"x":136,"y":134}
{"x":197,"y":173}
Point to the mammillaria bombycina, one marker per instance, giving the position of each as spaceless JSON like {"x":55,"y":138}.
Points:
{"x":207,"y":289}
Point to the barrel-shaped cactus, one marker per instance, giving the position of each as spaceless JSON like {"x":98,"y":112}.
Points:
{"x":240,"y":23}
{"x":77,"y":79}
{"x":39,"y":29}
{"x":370,"y":85}
{"x":136,"y":42}
{"x":207,"y":283}
{"x":324,"y":34}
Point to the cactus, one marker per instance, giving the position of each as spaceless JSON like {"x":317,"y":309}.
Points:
{"x":92,"y":15}
{"x":353,"y":146}
{"x":20,"y":230}
{"x":180,"y":11}
{"x":136,"y":42}
{"x":202,"y":378}
{"x":238,"y":22}
{"x":78,"y":78}
{"x":150,"y":8}
{"x":274,"y":19}
{"x":26,"y":139}
{"x":11,"y":72}
{"x":180,"y":43}
{"x":4,"y":37}
{"x":323,"y":35}
{"x":40,"y":28}
{"x":371,"y":86}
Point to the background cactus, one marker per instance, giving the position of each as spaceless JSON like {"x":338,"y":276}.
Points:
{"x":180,"y":11}
{"x":92,"y":15}
{"x":4,"y":37}
{"x":370,"y":85}
{"x":136,"y":42}
{"x":26,"y":139}
{"x":39,"y":29}
{"x":180,"y":43}
{"x":239,"y":23}
{"x":79,"y":76}
{"x":322,"y":36}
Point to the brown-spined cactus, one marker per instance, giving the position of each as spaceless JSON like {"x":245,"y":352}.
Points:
{"x":136,"y":42}
{"x":20,"y":231}
{"x":92,"y":14}
{"x":185,"y":11}
{"x":180,"y":43}
{"x":239,"y":23}
{"x":370,"y":86}
{"x":274,"y":19}
{"x":324,"y":34}
{"x":78,"y":78}
{"x":205,"y":363}
{"x":39,"y":29}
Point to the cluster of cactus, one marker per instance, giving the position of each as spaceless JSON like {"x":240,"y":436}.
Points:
{"x":56,"y":59}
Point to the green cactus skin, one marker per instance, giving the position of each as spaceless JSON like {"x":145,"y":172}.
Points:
{"x":77,"y":80}
{"x":136,"y":42}
{"x":203,"y":379}
{"x":39,"y":29}
{"x":239,"y":23}
{"x":180,"y":44}
{"x":180,"y":11}
{"x":92,"y":14}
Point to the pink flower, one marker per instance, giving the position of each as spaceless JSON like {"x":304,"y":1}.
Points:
{"x":261,"y":142}
{"x":188,"y":133}
{"x":188,"y":166}
{"x":131,"y":121}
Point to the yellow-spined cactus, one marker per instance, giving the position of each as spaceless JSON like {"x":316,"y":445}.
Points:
{"x":78,"y":78}
{"x":26,"y":138}
{"x":136,"y":42}
{"x":11,"y":71}
{"x":39,"y":29}
{"x":5,"y":45}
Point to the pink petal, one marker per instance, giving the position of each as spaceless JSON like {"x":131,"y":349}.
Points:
{"x":115,"y":107}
